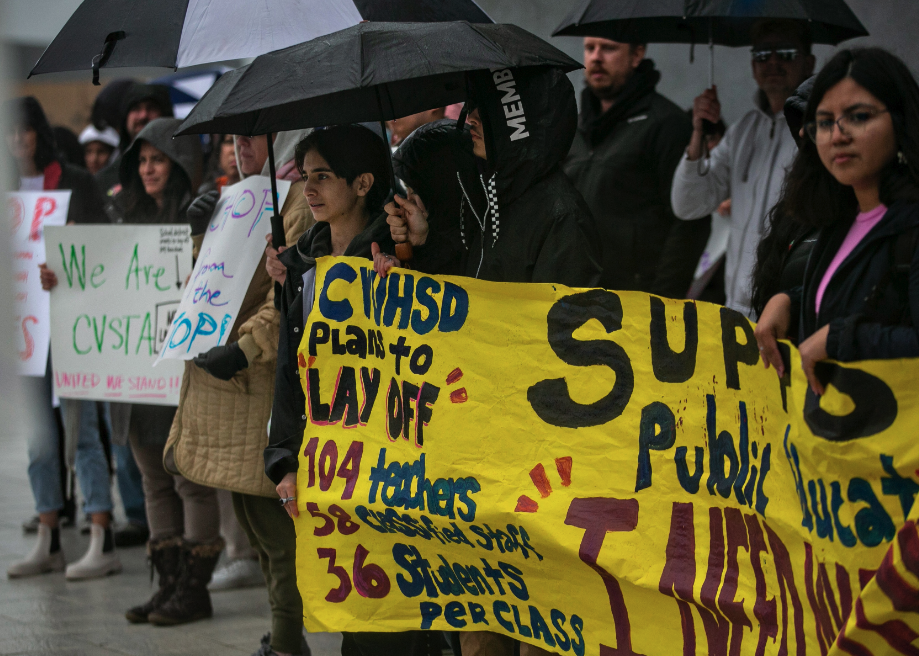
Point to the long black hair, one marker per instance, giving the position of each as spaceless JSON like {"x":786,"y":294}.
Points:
{"x":811,"y":197}
{"x":140,"y":207}
{"x":811,"y":193}
{"x":351,"y":150}
{"x":27,"y":112}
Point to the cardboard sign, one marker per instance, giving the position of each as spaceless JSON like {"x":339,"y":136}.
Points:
{"x":232,"y":248}
{"x":118,"y":289}
{"x":596,"y":472}
{"x":29,"y":213}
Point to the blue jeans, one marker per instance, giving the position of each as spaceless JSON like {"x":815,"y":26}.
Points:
{"x":45,"y":467}
{"x":130,"y":484}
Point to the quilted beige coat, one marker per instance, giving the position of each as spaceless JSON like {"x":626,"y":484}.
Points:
{"x":221,"y":427}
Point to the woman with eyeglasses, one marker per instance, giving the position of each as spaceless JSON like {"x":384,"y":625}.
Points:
{"x":856,"y":179}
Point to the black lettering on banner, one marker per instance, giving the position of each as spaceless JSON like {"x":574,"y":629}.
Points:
{"x":668,"y":365}
{"x":785,"y":380}
{"x":720,"y":446}
{"x":319,"y":334}
{"x":657,"y":431}
{"x":875,"y":404}
{"x":734,"y":353}
{"x":551,"y":399}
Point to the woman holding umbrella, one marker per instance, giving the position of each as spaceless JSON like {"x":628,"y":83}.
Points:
{"x":856,"y":179}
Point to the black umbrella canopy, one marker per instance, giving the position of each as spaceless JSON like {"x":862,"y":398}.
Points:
{"x":179,"y":33}
{"x":727,"y":22}
{"x":421,"y":11}
{"x":369,"y":72}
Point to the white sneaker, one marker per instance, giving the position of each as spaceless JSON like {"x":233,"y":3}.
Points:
{"x":237,"y":573}
{"x":95,"y":563}
{"x":40,"y":560}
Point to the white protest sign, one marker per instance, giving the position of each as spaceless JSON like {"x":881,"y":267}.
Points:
{"x":29,"y":212}
{"x":118,"y":288}
{"x":231,"y":251}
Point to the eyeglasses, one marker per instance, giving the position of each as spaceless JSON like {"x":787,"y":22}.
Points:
{"x":784,"y":54}
{"x":850,"y":124}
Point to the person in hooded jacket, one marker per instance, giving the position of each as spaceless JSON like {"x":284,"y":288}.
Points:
{"x":141,"y":103}
{"x":856,"y":177}
{"x":519,"y":218}
{"x":158,"y":173}
{"x":31,"y":144}
{"x":347,"y":180}
{"x":749,"y":164}
{"x":237,"y":380}
{"x":628,"y":144}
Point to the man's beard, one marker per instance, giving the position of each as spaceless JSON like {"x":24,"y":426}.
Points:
{"x":610,"y":91}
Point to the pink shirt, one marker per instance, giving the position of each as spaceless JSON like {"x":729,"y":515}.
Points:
{"x":864,"y":222}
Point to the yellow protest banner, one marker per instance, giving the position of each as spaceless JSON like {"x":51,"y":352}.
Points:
{"x":596,"y":472}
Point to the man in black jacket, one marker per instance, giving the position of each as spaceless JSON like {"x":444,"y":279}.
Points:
{"x":628,"y":144}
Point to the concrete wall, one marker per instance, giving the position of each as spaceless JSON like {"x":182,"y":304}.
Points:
{"x":891,"y":23}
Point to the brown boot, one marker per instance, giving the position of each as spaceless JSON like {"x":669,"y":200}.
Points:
{"x":191,"y":601}
{"x":165,"y":557}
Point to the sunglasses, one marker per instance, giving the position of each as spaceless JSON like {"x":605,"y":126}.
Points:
{"x":784,"y":54}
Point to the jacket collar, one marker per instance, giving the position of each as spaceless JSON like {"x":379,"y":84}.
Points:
{"x":595,"y":124}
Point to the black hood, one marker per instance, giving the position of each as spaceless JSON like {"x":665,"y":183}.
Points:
{"x":530,"y":118}
{"x":428,"y":159}
{"x":158,"y":94}
{"x":595,"y":124}
{"x":796,"y":106}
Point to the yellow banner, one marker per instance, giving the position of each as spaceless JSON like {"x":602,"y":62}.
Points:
{"x":596,"y":472}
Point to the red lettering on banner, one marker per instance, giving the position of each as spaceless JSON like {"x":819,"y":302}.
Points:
{"x":787,"y":588}
{"x":599,"y":516}
{"x":763,"y":610}
{"x":732,"y":608}
{"x":679,"y":572}
{"x":725,"y":620}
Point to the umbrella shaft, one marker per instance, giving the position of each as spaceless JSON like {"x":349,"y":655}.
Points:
{"x":277,"y":222}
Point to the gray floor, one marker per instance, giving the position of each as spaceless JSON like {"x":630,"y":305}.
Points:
{"x":47,"y":615}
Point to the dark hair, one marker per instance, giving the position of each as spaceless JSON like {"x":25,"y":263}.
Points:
{"x":811,"y":197}
{"x":139,"y":206}
{"x":27,"y":111}
{"x":350,"y":151}
{"x":68,"y":146}
{"x":811,"y":194}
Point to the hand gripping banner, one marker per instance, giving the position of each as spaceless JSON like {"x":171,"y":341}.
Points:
{"x":596,"y":472}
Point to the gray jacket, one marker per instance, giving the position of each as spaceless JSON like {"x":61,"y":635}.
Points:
{"x":748,"y":166}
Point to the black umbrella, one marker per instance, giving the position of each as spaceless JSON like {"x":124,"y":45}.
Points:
{"x":180,"y":33}
{"x":716,"y":22}
{"x":369,"y":72}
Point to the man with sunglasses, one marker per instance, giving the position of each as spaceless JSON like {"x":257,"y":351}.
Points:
{"x":749,"y":164}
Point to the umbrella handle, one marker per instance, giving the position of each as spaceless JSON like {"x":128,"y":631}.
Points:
{"x":102,"y":58}
{"x":278,"y":238}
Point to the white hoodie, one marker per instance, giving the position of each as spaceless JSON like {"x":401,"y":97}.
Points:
{"x":748,"y":166}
